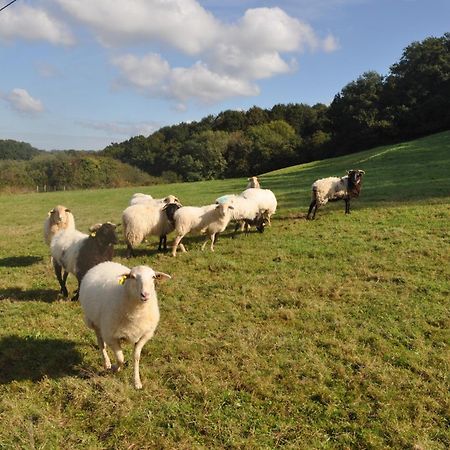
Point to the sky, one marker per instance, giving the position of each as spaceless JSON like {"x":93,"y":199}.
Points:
{"x":81,"y":74}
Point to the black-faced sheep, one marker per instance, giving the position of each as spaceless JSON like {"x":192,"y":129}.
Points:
{"x":148,"y":219}
{"x":121,"y":304}
{"x":335,"y":188}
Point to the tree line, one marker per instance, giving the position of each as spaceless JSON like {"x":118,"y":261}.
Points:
{"x":412,"y":100}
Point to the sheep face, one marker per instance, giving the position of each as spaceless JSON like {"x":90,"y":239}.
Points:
{"x":105,"y":233}
{"x":355,"y":176}
{"x":172,"y":199}
{"x":170,"y":209}
{"x":140,"y":282}
{"x":58,"y":214}
{"x":224,"y":208}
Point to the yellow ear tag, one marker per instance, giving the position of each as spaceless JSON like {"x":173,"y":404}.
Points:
{"x":93,"y":234}
{"x":122,"y":279}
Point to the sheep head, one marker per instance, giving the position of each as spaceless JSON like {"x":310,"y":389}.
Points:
{"x":140,"y":282}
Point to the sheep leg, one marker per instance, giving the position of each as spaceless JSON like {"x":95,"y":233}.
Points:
{"x":117,"y":349}
{"x":176,"y":242}
{"x":130,"y":252}
{"x":347,"y":206}
{"x":102,"y":347}
{"x":312,"y":209}
{"x":206,"y":241}
{"x":137,"y":357}
{"x":61,"y":279}
{"x":162,"y":243}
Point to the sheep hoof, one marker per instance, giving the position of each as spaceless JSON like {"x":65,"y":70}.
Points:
{"x":138,"y":385}
{"x":115,"y":368}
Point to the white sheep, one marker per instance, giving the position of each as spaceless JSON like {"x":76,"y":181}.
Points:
{"x":139,"y":198}
{"x":253,"y":182}
{"x":148,"y":219}
{"x":266,"y":200}
{"x":335,"y":188}
{"x":245,"y":212}
{"x":59,"y":218}
{"x":76,"y":252}
{"x":121,"y":304}
{"x":210,"y":219}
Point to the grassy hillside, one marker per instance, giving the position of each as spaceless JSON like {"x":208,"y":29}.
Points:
{"x":330,"y":333}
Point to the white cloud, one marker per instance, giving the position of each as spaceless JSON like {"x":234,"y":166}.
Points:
{"x":231,"y":57}
{"x":146,"y":73}
{"x":26,"y":22}
{"x":153,"y":76}
{"x":21,"y":101}
{"x":123,"y":128}
{"x":184,"y":24}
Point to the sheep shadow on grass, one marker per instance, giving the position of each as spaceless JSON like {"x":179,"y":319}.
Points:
{"x":20,"y":295}
{"x":30,"y":358}
{"x":19,"y":261}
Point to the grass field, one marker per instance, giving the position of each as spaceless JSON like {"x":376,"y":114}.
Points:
{"x":331,"y":333}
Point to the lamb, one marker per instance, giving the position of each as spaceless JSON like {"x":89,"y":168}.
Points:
{"x":246,"y":213}
{"x":253,"y":182}
{"x":146,"y":219}
{"x":77,"y":252}
{"x":59,"y":218}
{"x":139,"y":198}
{"x":121,"y":304}
{"x":210,"y":219}
{"x":335,"y":188}
{"x":265,"y":199}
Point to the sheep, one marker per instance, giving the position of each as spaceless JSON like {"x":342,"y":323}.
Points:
{"x":145,"y":219}
{"x":59,"y":218}
{"x":266,"y":200}
{"x":335,"y":188}
{"x":210,"y":219}
{"x":253,"y":182}
{"x":77,"y":252}
{"x":139,"y":198}
{"x":246,"y":212}
{"x":121,"y":304}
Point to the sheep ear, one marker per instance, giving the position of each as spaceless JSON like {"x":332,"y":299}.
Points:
{"x":125,"y":277}
{"x":51,"y":211}
{"x":362,"y":171}
{"x":95,"y":227}
{"x":67,"y":210}
{"x":161,"y":276}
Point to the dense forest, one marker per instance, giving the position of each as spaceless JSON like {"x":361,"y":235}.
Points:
{"x":412,"y":100}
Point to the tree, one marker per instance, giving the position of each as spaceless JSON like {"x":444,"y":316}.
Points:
{"x":355,"y":114}
{"x":418,"y":88}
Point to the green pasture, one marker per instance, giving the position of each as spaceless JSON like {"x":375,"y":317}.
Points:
{"x":322,"y":334}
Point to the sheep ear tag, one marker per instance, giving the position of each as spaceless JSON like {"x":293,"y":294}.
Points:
{"x":122,"y":279}
{"x":93,"y":234}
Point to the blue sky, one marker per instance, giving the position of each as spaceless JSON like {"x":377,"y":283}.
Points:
{"x":80,"y":74}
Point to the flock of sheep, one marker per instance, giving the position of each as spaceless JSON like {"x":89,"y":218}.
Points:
{"x":120,"y":303}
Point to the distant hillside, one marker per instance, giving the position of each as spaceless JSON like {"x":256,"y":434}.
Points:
{"x":10,"y":149}
{"x":414,"y":170}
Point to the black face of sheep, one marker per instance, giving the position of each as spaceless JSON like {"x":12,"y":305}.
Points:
{"x":355,"y":177}
{"x":105,"y":233}
{"x":170,"y":210}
